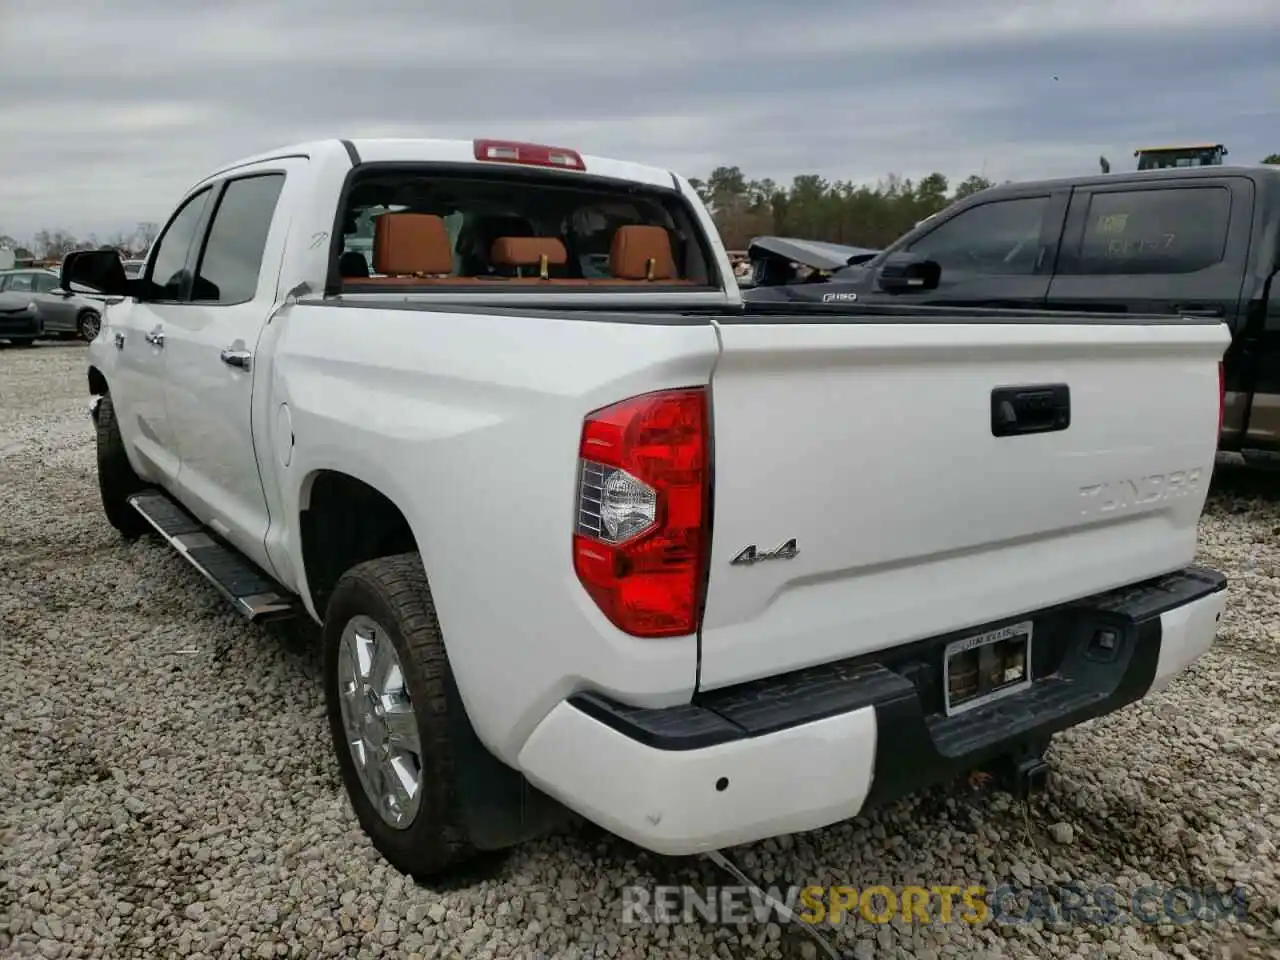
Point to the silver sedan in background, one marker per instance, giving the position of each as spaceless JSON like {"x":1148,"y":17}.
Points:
{"x":62,"y":314}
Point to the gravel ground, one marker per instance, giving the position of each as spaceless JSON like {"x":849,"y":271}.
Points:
{"x":168,"y":789}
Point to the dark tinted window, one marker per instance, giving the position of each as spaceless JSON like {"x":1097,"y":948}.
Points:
{"x":1155,"y":231}
{"x":170,"y":278}
{"x":1000,"y":238}
{"x":233,"y":254}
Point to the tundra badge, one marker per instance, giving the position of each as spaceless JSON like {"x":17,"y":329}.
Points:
{"x":753,"y":554}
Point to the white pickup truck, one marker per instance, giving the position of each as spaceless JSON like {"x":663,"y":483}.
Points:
{"x":585,"y":532}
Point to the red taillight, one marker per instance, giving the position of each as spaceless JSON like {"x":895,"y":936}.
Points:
{"x":1222,"y":396}
{"x":642,"y":528}
{"x":532,"y":154}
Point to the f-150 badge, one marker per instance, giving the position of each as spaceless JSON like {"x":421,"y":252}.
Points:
{"x":754,"y":554}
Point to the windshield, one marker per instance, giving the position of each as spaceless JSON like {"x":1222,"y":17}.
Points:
{"x":525,"y":232}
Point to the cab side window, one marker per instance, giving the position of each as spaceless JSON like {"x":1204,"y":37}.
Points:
{"x":1001,"y":238}
{"x":232,"y":259}
{"x":1180,"y":230}
{"x":170,"y":277}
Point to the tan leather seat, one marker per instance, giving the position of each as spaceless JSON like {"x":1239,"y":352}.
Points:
{"x":411,"y":245}
{"x":413,"y":249}
{"x":642,"y":253}
{"x":535,"y":253}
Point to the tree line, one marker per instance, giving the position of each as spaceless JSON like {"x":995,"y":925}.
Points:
{"x":56,"y":244}
{"x":838,"y":211}
{"x":857,"y":215}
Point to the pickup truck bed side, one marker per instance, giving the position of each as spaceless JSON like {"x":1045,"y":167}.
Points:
{"x":578,"y":525}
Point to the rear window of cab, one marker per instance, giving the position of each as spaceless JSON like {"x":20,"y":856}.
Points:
{"x":421,"y":228}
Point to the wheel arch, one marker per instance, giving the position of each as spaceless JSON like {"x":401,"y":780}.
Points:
{"x":343,"y":521}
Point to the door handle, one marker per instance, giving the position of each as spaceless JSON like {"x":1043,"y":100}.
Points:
{"x":1017,"y":411}
{"x":1202,"y":308}
{"x":240,"y":359}
{"x":119,"y":340}
{"x":156,"y":338}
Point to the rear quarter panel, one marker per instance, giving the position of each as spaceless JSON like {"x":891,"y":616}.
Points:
{"x":470,"y":423}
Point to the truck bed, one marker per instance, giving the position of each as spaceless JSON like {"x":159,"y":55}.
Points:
{"x":860,"y":450}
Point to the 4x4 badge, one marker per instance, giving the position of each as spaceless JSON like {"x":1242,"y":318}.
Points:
{"x":753,"y":554}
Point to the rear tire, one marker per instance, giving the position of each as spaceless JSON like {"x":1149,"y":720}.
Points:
{"x":392,"y":595}
{"x":89,"y":323}
{"x":116,"y":480}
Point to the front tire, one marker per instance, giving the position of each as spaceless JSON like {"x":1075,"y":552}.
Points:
{"x":386,"y":684}
{"x":116,"y":480}
{"x":89,"y":323}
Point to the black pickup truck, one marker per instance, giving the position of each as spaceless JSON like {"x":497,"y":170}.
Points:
{"x":1202,"y":240}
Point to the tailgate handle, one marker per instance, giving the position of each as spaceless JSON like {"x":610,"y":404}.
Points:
{"x":1016,"y":411}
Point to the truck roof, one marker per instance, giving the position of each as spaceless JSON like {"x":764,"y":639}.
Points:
{"x":1254,"y":172}
{"x":390,"y":150}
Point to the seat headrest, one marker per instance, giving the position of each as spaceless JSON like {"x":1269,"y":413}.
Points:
{"x":528,"y":252}
{"x":642,"y":253}
{"x":411,"y":244}
{"x":352,"y":264}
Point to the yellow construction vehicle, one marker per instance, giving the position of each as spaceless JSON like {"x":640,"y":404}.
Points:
{"x":1200,"y":155}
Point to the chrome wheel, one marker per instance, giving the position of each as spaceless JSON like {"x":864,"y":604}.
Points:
{"x":378,"y":720}
{"x":90,"y":324}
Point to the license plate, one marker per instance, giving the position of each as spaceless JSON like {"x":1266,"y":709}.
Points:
{"x":979,"y":669}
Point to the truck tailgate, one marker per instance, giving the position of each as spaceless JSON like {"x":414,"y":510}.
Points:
{"x":871,"y":443}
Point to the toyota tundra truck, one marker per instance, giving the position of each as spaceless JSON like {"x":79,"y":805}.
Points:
{"x":585,"y":533}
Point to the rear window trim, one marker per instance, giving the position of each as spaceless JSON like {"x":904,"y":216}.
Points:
{"x":552,"y":289}
{"x":333,"y":285}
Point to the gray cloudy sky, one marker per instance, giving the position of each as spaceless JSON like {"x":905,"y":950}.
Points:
{"x":109,"y":111}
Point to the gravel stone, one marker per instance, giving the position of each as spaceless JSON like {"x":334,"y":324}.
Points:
{"x":167,"y":788}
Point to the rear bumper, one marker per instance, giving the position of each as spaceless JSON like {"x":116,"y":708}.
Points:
{"x":808,"y":749}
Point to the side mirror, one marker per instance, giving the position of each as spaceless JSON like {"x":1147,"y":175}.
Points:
{"x":95,"y":271}
{"x":909,"y":273}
